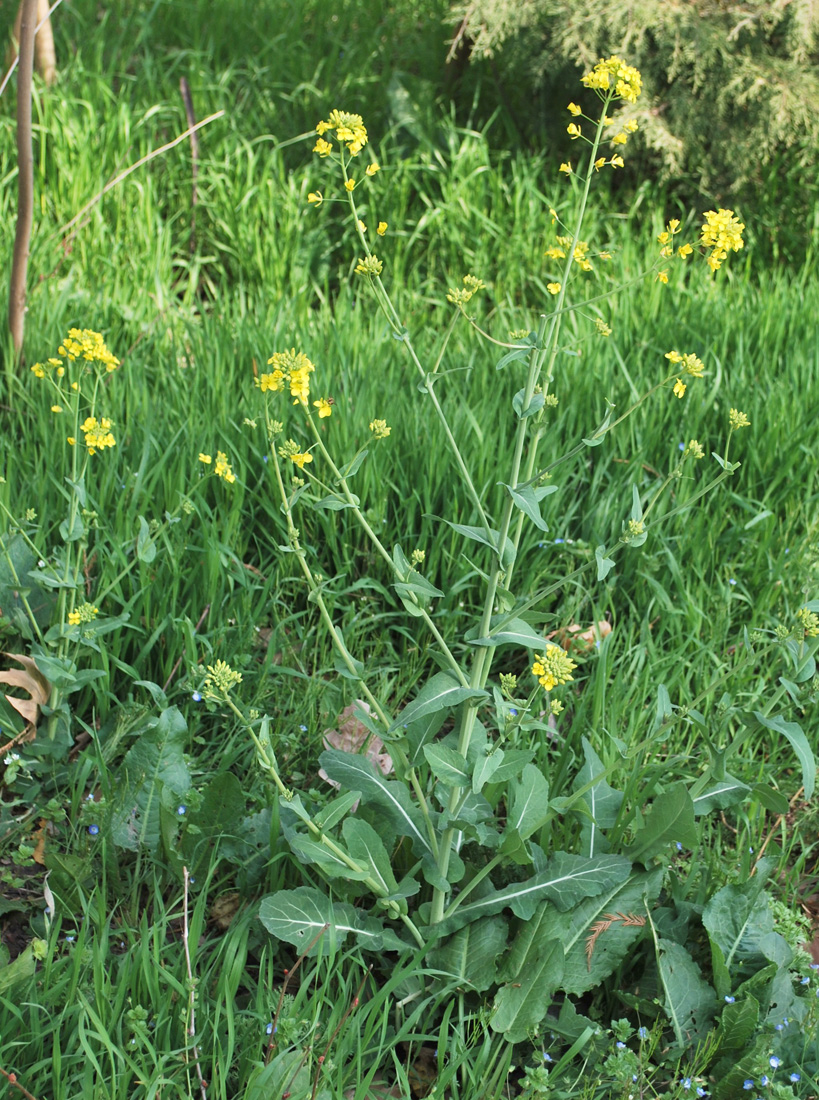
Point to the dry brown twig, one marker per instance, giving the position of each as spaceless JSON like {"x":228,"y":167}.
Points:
{"x":628,"y":920}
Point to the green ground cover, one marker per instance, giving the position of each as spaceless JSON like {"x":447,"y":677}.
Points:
{"x":188,"y":570}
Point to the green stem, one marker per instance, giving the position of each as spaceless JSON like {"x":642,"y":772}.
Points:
{"x":382,"y":550}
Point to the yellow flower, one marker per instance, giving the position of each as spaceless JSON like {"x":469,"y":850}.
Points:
{"x":324,"y":406}
{"x":323,"y":148}
{"x":566,"y":167}
{"x":71,"y":440}
{"x":371,"y":169}
{"x":620,"y":139}
{"x":274,"y":381}
{"x":301,"y":459}
{"x":684,"y":250}
{"x":555,"y":253}
{"x":662,"y":277}
{"x":381,"y":229}
{"x":349,"y":184}
{"x":315,"y":198}
{"x":631,"y":126}
{"x":379,"y":429}
{"x":674,"y":356}
{"x":38,"y":370}
{"x":553,"y":288}
{"x":361,"y":226}
{"x":679,"y":388}
{"x":738,"y":420}
{"x":573,"y":130}
{"x":575,"y":110}
{"x":206,"y":459}
{"x":617,"y":162}
{"x":56,"y":408}
{"x":599,"y":163}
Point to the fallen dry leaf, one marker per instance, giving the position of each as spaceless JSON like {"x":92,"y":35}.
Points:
{"x":32,"y":681}
{"x":575,"y":638}
{"x":351,"y":736}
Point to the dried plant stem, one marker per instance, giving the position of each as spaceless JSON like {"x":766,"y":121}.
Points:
{"x":12,"y":1080}
{"x":138,"y":164}
{"x":191,"y":1022}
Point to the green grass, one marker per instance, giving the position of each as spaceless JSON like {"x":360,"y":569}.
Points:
{"x":268,"y":272}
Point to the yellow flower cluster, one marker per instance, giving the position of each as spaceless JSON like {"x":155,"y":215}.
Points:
{"x":85,"y":613}
{"x":370,"y":266}
{"x":379,"y":429}
{"x":290,"y":368}
{"x":219,"y":681}
{"x":97,"y":433}
{"x":222,"y":468}
{"x":809,"y":621}
{"x":722,"y":233}
{"x":290,"y":449}
{"x":349,"y":130}
{"x":459,"y":297}
{"x":691,"y":364}
{"x":615,"y":73}
{"x":86,"y":344}
{"x":553,"y":668}
{"x":737,"y":420}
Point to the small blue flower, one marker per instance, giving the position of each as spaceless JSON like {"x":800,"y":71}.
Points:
{"x":547,"y":1056}
{"x":679,"y":846}
{"x":805,"y":980}
{"x":559,"y":541}
{"x":93,"y":829}
{"x":70,"y":939}
{"x":181,"y":810}
{"x":751,"y":851}
{"x":748,"y":1084}
{"x":814,"y":966}
{"x":730,"y":1000}
{"x":701,"y":1091}
{"x":794,"y":1077}
{"x":642,"y":1032}
{"x":764,"y":1080}
{"x":269,"y":1029}
{"x":686,"y":1082}
{"x":265,"y":458}
{"x":197,"y":696}
{"x":680,"y":446}
{"x":774,"y":1062}
{"x":731,"y":580}
{"x":513,"y":712}
{"x":303,"y":729}
{"x":778,"y":1027}
{"x":621,"y":1046}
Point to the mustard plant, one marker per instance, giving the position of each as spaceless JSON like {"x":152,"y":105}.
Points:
{"x":454,"y":832}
